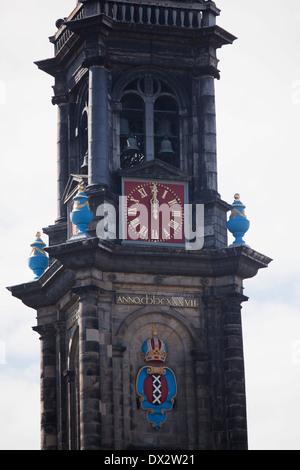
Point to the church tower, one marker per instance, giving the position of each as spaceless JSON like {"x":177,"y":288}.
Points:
{"x":139,"y":311}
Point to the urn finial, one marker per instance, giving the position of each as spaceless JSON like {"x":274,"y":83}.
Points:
{"x":238,"y":224}
{"x":81,"y":215}
{"x":38,"y":260}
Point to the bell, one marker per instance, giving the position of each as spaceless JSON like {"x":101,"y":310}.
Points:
{"x":166,"y":148}
{"x":124,"y":126}
{"x":132,"y":146}
{"x":84,"y":165}
{"x":164,"y":127}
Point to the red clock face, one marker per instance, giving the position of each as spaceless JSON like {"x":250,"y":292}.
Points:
{"x":154,"y":211}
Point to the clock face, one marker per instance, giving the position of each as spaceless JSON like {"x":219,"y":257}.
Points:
{"x":154,"y":211}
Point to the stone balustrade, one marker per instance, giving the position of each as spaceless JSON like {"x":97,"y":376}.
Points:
{"x":146,"y":13}
{"x":164,"y":14}
{"x":64,"y":34}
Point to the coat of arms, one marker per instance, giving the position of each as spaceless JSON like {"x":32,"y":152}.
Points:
{"x":156,"y":384}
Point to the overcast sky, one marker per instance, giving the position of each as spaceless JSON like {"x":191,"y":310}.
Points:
{"x":258,"y":119}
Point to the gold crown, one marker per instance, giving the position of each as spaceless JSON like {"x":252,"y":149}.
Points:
{"x":154,"y":349}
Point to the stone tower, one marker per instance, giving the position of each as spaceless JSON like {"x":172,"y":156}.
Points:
{"x":140,"y":326}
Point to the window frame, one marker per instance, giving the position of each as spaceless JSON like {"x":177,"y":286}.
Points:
{"x":149,"y":87}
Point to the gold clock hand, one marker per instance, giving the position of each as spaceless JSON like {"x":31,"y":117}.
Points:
{"x":154,"y":201}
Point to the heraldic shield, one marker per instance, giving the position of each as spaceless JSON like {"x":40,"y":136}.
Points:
{"x":156,"y":384}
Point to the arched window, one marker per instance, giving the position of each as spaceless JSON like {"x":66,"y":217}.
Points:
{"x":83,"y":141}
{"x":132,"y":131}
{"x":166,"y":131}
{"x":149,"y":122}
{"x":81,"y":131}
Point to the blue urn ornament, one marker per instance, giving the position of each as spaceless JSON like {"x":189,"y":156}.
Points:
{"x":38,"y":260}
{"x":238,"y":224}
{"x":81,"y":215}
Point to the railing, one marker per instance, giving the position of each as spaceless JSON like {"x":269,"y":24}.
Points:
{"x":64,"y":34}
{"x":190,"y":15}
{"x":155,"y":13}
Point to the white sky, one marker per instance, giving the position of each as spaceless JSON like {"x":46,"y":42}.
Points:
{"x":258,"y":115}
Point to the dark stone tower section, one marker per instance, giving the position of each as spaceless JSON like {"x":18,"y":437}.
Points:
{"x":153,"y":65}
{"x":141,"y":339}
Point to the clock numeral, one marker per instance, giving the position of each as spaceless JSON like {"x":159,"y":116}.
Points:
{"x":134,"y":200}
{"x":164,"y":195}
{"x":171,"y":203}
{"x":134,"y":223}
{"x":176,"y":213}
{"x":173,"y":224}
{"x":142,"y":192}
{"x":132,"y":211}
{"x":143,"y":231}
{"x":154,"y":234}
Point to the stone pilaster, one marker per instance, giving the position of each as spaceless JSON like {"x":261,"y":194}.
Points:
{"x":106,"y":371}
{"x":62,"y":102}
{"x":208,"y":137}
{"x":213,"y":321}
{"x":98,"y":125}
{"x":89,"y":368}
{"x":61,"y":386}
{"x":205,"y":156}
{"x":48,"y":388}
{"x":203,"y":397}
{"x":118,"y":352}
{"x":234,"y":374}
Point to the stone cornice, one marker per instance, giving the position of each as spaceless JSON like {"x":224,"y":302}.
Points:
{"x":241,"y":262}
{"x":109,"y":257}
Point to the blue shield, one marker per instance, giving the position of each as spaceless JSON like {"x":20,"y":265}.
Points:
{"x":156,"y":387}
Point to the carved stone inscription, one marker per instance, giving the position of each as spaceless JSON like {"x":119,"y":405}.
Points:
{"x":157,"y":300}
